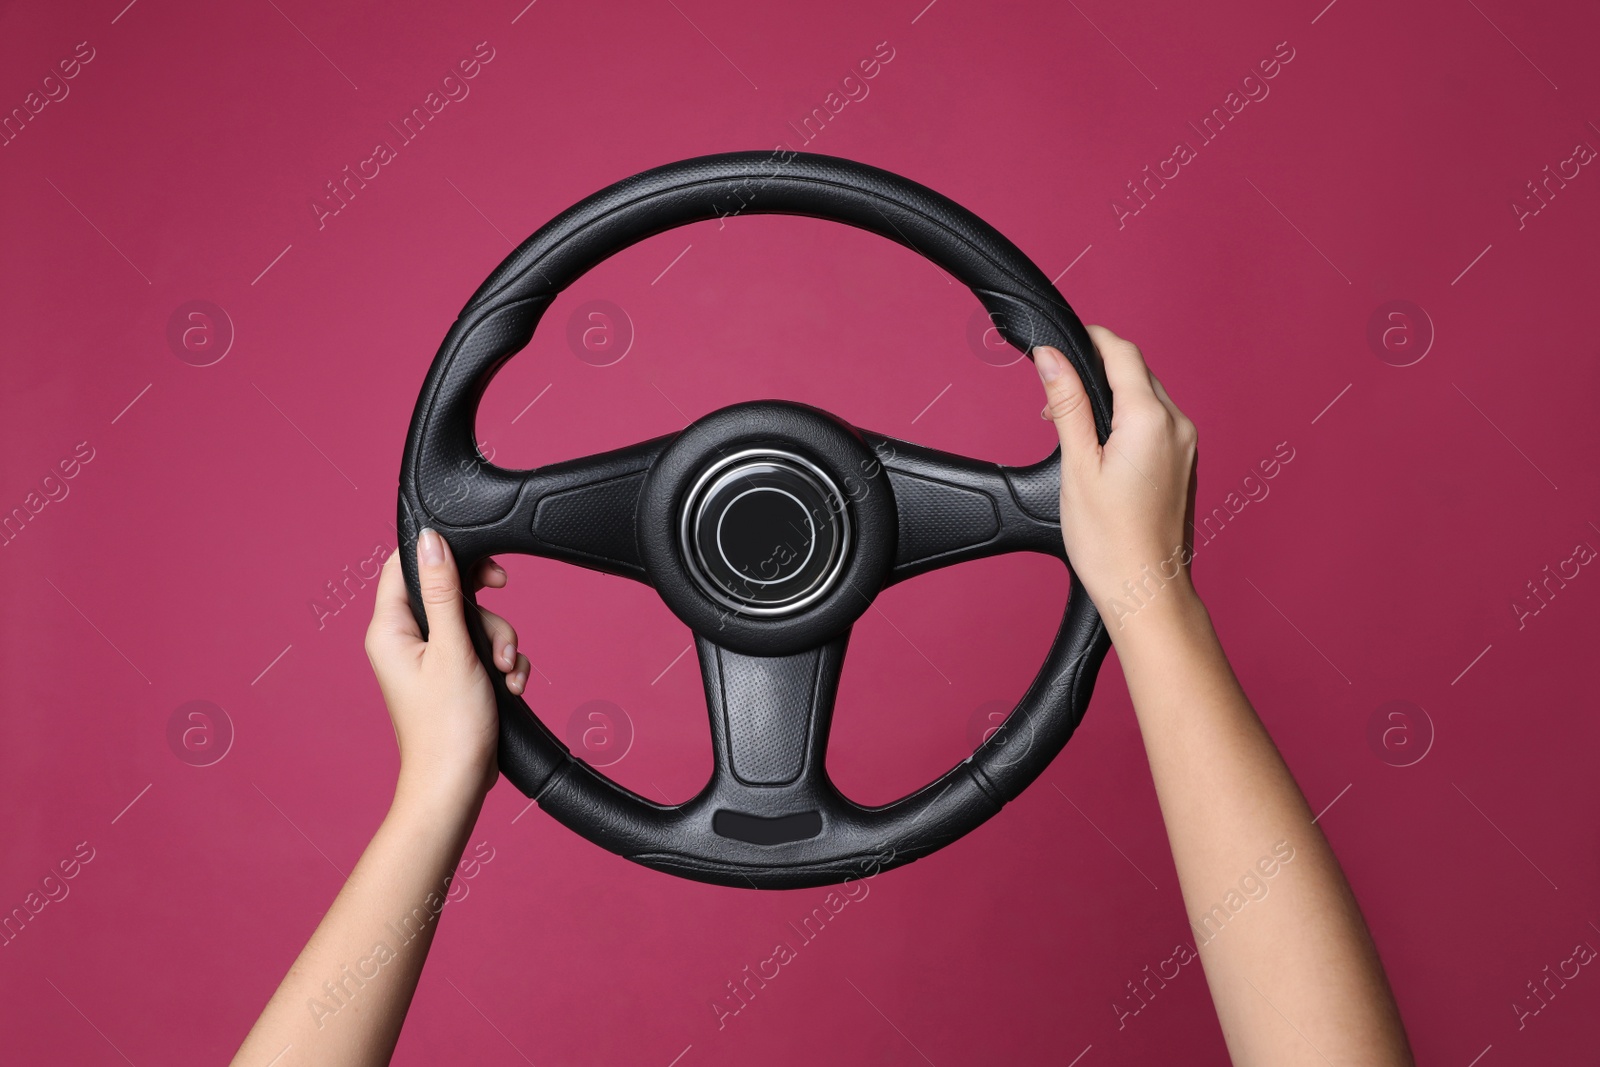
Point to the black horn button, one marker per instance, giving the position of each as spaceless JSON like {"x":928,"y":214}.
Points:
{"x":765,"y":532}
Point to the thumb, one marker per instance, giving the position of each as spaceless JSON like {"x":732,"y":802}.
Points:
{"x":1066,"y":404}
{"x":441,"y":594}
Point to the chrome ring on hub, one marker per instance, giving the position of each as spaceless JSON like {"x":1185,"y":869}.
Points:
{"x":788,"y":540}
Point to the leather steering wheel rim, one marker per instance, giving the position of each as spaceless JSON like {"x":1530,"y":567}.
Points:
{"x":752,"y":827}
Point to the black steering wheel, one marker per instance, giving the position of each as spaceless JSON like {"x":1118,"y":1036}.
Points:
{"x":768,"y":527}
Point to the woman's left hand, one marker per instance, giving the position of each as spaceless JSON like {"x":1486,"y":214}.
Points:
{"x":438,"y":693}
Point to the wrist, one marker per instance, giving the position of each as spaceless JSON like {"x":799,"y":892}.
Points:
{"x":1147,"y":610}
{"x":439,"y":795}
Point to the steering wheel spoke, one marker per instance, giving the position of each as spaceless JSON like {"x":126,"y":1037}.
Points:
{"x":580,"y":511}
{"x":583,"y":511}
{"x":770,"y":717}
{"x":950,"y":508}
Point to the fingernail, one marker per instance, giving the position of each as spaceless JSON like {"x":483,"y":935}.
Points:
{"x":1049,"y":362}
{"x":511,"y":653}
{"x":430,"y":550}
{"x":1044,"y":413}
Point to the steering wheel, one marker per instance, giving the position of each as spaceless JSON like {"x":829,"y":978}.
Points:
{"x":767,"y":527}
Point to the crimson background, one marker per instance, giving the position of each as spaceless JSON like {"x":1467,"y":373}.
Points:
{"x":1382,"y":566}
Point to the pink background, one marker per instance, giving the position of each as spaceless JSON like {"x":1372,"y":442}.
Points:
{"x":1383,"y":565}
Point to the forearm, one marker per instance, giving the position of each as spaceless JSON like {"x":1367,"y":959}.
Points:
{"x":1291,"y":966}
{"x":346,"y":996}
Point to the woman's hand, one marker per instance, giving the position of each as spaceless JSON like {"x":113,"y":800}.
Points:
{"x":439,"y":696}
{"x":1226,"y":795}
{"x":442,"y":706}
{"x":1125,"y":507}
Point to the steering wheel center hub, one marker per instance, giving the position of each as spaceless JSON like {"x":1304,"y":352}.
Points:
{"x":765,"y":532}
{"x":769,"y":524}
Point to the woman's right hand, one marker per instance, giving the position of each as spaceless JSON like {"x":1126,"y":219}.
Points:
{"x":1125,"y":506}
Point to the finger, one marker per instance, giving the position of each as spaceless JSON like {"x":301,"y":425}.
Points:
{"x":1066,"y":405}
{"x":442,"y":599}
{"x":503,"y":636}
{"x":517,"y":680}
{"x":489,"y":574}
{"x":391,"y":608}
{"x":1125,"y":367}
